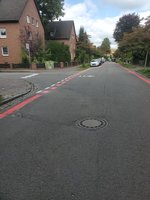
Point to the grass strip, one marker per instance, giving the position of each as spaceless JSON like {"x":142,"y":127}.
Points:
{"x":145,"y":72}
{"x":1,"y":98}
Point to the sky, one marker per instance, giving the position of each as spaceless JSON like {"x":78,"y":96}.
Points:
{"x":99,"y":17}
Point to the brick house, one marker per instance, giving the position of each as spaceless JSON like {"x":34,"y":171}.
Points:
{"x":20,"y":27}
{"x":63,"y":31}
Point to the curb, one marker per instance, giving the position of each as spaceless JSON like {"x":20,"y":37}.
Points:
{"x":18,"y":96}
{"x":135,"y":73}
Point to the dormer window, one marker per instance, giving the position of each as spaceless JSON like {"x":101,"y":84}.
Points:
{"x":3,"y":33}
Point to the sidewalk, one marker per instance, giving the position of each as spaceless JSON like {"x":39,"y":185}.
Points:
{"x":11,"y":89}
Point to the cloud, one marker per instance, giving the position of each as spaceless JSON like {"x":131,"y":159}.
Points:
{"x":98,"y":28}
{"x":129,"y":4}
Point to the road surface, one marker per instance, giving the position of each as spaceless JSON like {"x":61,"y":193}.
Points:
{"x":85,"y":137}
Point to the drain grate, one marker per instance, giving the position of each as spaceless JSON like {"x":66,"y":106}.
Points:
{"x":92,"y":124}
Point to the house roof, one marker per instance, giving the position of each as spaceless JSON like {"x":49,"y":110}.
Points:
{"x":58,"y":30}
{"x":11,"y":10}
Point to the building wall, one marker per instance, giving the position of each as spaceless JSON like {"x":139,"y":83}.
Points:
{"x":16,"y":34}
{"x":12,"y":42}
{"x":37,"y":32}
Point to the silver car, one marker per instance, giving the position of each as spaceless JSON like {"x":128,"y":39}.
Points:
{"x":95,"y":63}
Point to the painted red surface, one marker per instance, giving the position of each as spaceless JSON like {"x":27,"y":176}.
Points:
{"x":25,"y":102}
{"x":18,"y":106}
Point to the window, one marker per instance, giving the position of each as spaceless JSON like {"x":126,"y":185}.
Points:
{"x":5,"y":51}
{"x":29,"y":35}
{"x":52,"y":34}
{"x":37,"y":23}
{"x":32,"y":21}
{"x":28,"y":19}
{"x":3,"y":33}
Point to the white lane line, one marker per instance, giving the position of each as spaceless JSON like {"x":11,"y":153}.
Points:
{"x":39,"y":91}
{"x":53,"y":85}
{"x":29,"y":76}
{"x":46,"y":88}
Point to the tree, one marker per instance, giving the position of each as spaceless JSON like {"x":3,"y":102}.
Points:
{"x":105,"y":46}
{"x":138,"y":42}
{"x":83,"y":46}
{"x":81,"y":34}
{"x":125,"y":25}
{"x":27,"y":36}
{"x":50,"y":9}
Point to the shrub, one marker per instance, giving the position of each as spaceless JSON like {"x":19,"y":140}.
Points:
{"x":58,"y":52}
{"x":25,"y":56}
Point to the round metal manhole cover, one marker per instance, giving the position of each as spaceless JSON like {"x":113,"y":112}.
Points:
{"x":92,"y":123}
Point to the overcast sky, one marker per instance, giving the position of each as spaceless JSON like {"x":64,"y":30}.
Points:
{"x":99,"y":17}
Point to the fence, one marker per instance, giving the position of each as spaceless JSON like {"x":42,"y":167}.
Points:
{"x":36,"y":66}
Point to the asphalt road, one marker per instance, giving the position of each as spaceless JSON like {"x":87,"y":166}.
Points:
{"x":46,"y":155}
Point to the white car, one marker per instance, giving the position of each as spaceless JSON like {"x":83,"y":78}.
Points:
{"x":95,"y":63}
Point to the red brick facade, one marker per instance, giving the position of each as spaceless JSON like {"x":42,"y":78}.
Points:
{"x":18,"y":33}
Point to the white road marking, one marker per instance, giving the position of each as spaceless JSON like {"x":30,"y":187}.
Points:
{"x":46,"y":88}
{"x":29,"y":76}
{"x":53,"y":85}
{"x":39,"y":91}
{"x":86,"y":76}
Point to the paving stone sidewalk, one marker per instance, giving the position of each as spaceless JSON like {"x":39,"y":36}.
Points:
{"x":11,"y":88}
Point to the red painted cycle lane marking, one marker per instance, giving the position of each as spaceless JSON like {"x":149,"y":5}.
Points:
{"x":20,"y":105}
{"x":25,"y":102}
{"x":146,"y":80}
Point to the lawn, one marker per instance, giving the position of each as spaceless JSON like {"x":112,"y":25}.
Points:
{"x":1,"y":98}
{"x":130,"y":66}
{"x":145,"y":72}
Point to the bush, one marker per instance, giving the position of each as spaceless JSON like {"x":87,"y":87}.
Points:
{"x":25,"y":56}
{"x":58,"y":52}
{"x":41,"y":56}
{"x":85,"y":65}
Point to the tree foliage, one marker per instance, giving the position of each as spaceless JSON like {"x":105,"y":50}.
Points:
{"x":85,"y":49}
{"x":50,"y":9}
{"x":125,"y":25}
{"x":137,"y":42}
{"x":33,"y":40}
{"x":83,"y":46}
{"x":105,"y":46}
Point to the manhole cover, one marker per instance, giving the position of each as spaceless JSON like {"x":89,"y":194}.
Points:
{"x":92,"y":123}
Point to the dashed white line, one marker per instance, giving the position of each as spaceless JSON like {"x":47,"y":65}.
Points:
{"x":29,"y":76}
{"x":53,"y":85}
{"x":46,"y":88}
{"x":39,"y":91}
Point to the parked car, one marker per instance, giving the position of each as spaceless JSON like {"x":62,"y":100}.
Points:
{"x":103,"y":59}
{"x":95,"y":62}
